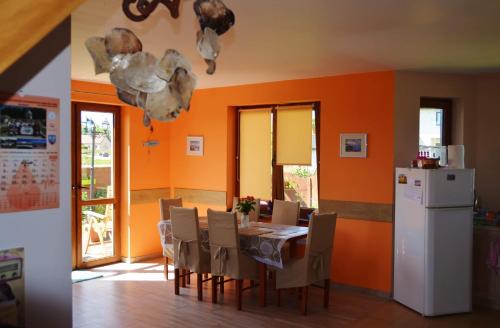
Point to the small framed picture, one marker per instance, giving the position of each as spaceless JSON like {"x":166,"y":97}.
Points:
{"x":353,"y":145}
{"x":194,"y":146}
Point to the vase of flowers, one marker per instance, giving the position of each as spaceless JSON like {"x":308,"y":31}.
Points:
{"x":245,"y":206}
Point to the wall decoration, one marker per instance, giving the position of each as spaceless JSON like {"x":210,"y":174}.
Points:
{"x":12,"y":288}
{"x":146,"y":7}
{"x":29,"y":153}
{"x":353,"y":145}
{"x":194,"y":146}
{"x":162,"y":88}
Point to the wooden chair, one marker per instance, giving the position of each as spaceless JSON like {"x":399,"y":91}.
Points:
{"x":164,"y":229}
{"x":188,"y":254}
{"x":253,"y":215}
{"x":99,"y":225}
{"x":315,"y":266}
{"x":226,"y":258}
{"x":285,"y":212}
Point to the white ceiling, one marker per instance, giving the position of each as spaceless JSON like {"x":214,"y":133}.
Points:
{"x":291,"y":39}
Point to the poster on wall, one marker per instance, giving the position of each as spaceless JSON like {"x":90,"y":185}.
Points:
{"x":29,"y":153}
{"x":12,"y":287}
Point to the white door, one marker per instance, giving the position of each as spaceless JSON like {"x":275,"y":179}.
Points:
{"x":409,"y":239}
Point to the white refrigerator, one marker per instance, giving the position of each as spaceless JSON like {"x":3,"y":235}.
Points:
{"x":433,"y":240}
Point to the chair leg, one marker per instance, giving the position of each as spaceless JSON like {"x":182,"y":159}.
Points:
{"x":278,"y":297}
{"x":199,"y":278}
{"x":221,"y":281}
{"x":166,"y":268}
{"x":176,"y":283}
{"x":303,"y":303}
{"x":326,"y":295}
{"x":214,"y":289}
{"x":239,"y":286}
{"x":188,"y":277}
{"x":183,"y":278}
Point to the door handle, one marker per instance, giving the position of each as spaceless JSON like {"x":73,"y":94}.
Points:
{"x":76,"y":187}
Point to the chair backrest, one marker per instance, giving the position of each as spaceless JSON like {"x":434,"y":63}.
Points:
{"x":235,"y":202}
{"x":319,"y":246}
{"x":224,"y":243}
{"x":285,"y":212}
{"x":253,"y":215}
{"x":165,"y":205}
{"x":186,"y":238}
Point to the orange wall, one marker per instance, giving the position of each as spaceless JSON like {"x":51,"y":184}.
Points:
{"x":350,"y":103}
{"x":355,"y":103}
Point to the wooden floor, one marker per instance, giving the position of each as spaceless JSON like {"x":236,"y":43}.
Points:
{"x":137,"y":295}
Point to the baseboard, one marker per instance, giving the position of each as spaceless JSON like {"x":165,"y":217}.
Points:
{"x":362,"y":290}
{"x":141,"y":258}
{"x":486,"y":301}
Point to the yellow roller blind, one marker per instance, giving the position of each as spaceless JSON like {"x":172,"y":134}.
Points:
{"x":294,"y":135}
{"x":256,"y":153}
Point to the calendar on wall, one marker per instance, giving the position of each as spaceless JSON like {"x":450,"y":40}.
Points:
{"x":29,"y":153}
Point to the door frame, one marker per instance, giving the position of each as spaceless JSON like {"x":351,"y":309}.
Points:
{"x":76,"y":236}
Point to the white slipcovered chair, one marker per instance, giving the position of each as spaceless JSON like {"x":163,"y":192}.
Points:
{"x":226,"y":257}
{"x":285,"y":212}
{"x":188,"y":253}
{"x":315,"y":266}
{"x":164,"y":229}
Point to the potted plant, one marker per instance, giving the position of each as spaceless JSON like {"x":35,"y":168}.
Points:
{"x":244,"y":206}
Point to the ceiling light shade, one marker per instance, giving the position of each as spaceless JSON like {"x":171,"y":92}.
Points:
{"x":215,"y":19}
{"x":209,"y":48}
{"x":162,"y":88}
{"x":214,"y":14}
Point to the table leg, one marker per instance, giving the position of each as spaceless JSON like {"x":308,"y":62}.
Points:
{"x":262,"y":284}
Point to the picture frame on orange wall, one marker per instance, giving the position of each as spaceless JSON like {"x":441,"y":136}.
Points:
{"x":194,"y":146}
{"x":353,"y":145}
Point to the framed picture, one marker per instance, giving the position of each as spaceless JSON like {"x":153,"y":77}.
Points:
{"x":194,"y":146}
{"x":353,"y":145}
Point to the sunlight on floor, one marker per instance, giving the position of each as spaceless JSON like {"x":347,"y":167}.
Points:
{"x":137,"y":276}
{"x":125,"y":267}
{"x":151,"y":271}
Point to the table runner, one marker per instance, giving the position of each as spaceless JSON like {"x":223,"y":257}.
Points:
{"x":261,"y":241}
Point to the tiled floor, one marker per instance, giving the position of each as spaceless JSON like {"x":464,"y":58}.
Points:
{"x":137,"y":295}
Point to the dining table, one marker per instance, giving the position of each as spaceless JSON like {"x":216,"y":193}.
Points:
{"x":262,"y":241}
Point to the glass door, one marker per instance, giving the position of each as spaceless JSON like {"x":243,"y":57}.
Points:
{"x":96,"y":187}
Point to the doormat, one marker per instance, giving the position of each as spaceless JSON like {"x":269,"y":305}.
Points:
{"x":79,"y":276}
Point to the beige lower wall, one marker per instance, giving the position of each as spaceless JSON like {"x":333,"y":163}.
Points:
{"x":202,"y":199}
{"x":358,"y":210}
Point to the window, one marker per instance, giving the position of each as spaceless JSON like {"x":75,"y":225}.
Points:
{"x":434,"y":125}
{"x":301,"y":181}
{"x":277,"y":150}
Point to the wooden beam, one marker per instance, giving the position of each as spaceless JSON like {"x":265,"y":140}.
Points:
{"x":25,"y":23}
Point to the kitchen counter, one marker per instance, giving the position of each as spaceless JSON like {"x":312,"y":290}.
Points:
{"x":486,"y":283}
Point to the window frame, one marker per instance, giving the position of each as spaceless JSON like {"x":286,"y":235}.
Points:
{"x":315,"y":106}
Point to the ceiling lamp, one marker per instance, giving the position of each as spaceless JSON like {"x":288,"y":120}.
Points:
{"x":161,"y":87}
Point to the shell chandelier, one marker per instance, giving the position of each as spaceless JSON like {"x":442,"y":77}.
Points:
{"x":161,"y":87}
